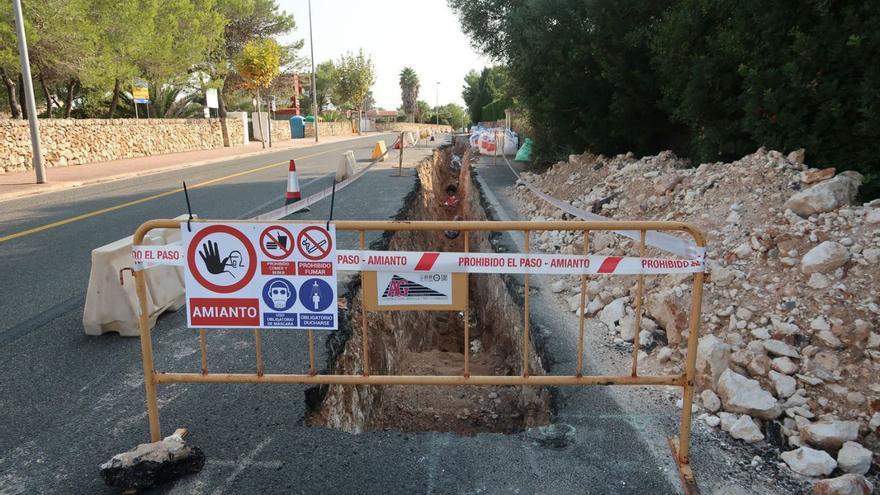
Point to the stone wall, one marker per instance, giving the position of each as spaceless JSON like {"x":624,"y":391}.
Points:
{"x":406,"y":126}
{"x":280,"y":130}
{"x":77,"y":141}
{"x":329,"y":129}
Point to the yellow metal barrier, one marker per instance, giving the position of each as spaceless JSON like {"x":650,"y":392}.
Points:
{"x":680,"y":445}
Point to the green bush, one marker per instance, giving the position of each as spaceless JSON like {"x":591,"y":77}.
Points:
{"x":709,"y":79}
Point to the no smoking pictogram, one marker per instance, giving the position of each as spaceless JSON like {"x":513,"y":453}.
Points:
{"x":219,"y":255}
{"x":276,"y":242}
{"x":314,"y":242}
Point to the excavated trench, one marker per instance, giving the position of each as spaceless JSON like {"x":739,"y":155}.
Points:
{"x":432,"y":342}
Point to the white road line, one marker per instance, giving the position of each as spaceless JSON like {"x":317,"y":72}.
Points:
{"x":242,"y":464}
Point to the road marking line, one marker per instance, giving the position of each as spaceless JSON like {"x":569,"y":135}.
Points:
{"x":243,"y":463}
{"x":109,"y":209}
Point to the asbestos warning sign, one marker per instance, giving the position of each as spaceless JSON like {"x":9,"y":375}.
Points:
{"x":251,"y":275}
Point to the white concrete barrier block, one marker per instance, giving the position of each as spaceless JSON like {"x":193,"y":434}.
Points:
{"x":347,"y":166}
{"x":410,"y":138}
{"x":111,"y":307}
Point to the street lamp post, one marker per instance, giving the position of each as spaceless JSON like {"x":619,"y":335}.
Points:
{"x":28,"y":87}
{"x":437,"y":104}
{"x":314,"y":81}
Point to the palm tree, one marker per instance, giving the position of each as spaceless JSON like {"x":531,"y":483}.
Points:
{"x":409,"y":92}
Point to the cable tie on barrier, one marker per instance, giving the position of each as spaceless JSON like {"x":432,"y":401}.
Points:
{"x":188,"y":208}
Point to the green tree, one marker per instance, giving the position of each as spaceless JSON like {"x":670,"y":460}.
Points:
{"x":325,"y":78}
{"x":453,"y":115}
{"x":246,"y":20}
{"x":258,"y":65}
{"x":9,"y":63}
{"x":424,"y":112}
{"x":491,"y":84}
{"x":356,"y":75}
{"x":409,"y":91}
{"x":785,"y":75}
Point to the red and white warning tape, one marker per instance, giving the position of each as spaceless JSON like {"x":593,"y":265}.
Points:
{"x":415,"y":261}
{"x":547,"y":264}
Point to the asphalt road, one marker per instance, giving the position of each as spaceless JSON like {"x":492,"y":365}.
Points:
{"x":69,"y":402}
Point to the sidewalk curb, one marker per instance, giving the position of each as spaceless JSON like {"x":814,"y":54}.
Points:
{"x":60,"y":186}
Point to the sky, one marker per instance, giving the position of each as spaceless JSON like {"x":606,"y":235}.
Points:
{"x":424,"y":35}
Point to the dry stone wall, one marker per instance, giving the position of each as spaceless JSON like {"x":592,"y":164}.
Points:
{"x":329,"y":129}
{"x":77,"y":141}
{"x":408,"y":127}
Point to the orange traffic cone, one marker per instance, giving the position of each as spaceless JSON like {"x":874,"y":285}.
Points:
{"x":293,"y":193}
{"x":396,"y":145}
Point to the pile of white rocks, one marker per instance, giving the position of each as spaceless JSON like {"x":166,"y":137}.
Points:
{"x":789,"y":330}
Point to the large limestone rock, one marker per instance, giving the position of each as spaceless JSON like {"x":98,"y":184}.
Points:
{"x":827,"y":195}
{"x":670,"y":311}
{"x":744,"y":395}
{"x":713,"y":357}
{"x":824,"y":258}
{"x":780,"y":348}
{"x":785,"y":385}
{"x":853,"y":458}
{"x":848,"y":484}
{"x":829,"y":435}
{"x":710,"y":401}
{"x":809,"y":462}
{"x":746,"y":430}
{"x":152,"y":464}
{"x":613,"y":312}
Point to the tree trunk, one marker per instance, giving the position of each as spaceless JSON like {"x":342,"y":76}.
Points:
{"x":115,"y":100}
{"x":221,"y":112}
{"x":260,"y":121}
{"x":21,"y":97}
{"x":12,"y":95}
{"x":68,"y":100}
{"x":47,"y":96}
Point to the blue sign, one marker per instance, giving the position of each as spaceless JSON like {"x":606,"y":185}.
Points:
{"x":283,"y":320}
{"x":279,"y":294}
{"x":316,"y":320}
{"x":316,"y":295}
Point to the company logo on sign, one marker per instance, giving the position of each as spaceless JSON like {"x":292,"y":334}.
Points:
{"x":401,"y":287}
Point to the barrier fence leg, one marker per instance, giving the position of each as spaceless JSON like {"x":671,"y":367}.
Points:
{"x":147,"y":354}
{"x":258,"y":343}
{"x":681,"y":446}
{"x":525,"y":349}
{"x":583,"y":317}
{"x":638,"y":319}
{"x":467,"y":316}
{"x":203,"y":347}
{"x":364,"y":336}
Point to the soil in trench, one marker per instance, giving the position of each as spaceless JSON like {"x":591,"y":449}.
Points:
{"x":432,"y":343}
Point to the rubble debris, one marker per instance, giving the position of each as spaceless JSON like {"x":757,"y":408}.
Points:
{"x":848,"y":484}
{"x":853,"y":458}
{"x":809,"y":462}
{"x":791,"y":316}
{"x":153,"y":464}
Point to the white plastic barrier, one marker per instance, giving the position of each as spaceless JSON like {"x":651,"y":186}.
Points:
{"x":409,"y":138}
{"x":113,"y":307}
{"x":347,"y":166}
